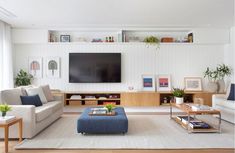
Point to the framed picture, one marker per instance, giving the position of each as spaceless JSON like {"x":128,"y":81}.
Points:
{"x":148,"y":82}
{"x":64,"y":38}
{"x":164,"y":83}
{"x":193,"y":83}
{"x":35,"y":66}
{"x":53,"y":67}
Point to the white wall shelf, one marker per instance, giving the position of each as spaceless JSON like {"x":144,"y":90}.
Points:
{"x":200,"y":35}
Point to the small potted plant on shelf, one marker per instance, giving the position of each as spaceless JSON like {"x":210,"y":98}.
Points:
{"x":109,"y":107}
{"x":23,"y":78}
{"x":151,"y":40}
{"x":179,"y":95}
{"x":4,"y":108}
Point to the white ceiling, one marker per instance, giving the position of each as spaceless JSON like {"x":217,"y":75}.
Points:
{"x":119,"y":13}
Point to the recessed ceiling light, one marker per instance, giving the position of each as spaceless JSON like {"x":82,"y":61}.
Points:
{"x":7,"y":13}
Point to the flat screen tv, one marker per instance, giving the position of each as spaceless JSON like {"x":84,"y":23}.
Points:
{"x":94,"y":67}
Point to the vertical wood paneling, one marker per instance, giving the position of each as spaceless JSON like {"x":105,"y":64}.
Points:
{"x":137,"y":59}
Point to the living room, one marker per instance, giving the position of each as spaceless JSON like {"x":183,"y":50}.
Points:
{"x":141,"y":65}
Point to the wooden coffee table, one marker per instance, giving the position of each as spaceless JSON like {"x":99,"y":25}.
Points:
{"x":6,"y":130}
{"x":189,"y":112}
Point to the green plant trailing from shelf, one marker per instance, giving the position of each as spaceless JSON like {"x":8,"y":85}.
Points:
{"x":151,"y":40}
{"x":109,"y":107}
{"x":219,"y":73}
{"x":23,"y":78}
{"x":4,"y":108}
{"x":177,"y":92}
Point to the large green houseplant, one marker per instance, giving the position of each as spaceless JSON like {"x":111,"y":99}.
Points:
{"x":23,"y":78}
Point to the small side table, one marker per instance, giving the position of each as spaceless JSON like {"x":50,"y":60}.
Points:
{"x":6,"y":130}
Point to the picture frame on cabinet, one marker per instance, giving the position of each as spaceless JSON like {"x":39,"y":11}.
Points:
{"x":193,"y":83}
{"x":35,"y":66}
{"x":64,"y":38}
{"x":148,"y":82}
{"x":164,"y":82}
{"x":53,"y":67}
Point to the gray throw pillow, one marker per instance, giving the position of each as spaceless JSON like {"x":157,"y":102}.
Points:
{"x":47,"y":92}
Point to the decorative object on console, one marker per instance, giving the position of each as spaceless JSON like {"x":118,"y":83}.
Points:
{"x":35,"y":67}
{"x":179,"y":95}
{"x":109,"y":107}
{"x":164,"y":83}
{"x":148,"y":82}
{"x":151,"y":40}
{"x":4,"y":108}
{"x":193,"y":83}
{"x":64,"y":38}
{"x":216,"y":78}
{"x":23,"y":78}
{"x":53,"y":67}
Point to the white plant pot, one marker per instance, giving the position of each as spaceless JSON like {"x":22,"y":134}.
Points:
{"x":179,"y":100}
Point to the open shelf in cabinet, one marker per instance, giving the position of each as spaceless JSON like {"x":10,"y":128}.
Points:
{"x":93,"y":98}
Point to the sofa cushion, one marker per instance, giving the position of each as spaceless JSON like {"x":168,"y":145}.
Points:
{"x":231,"y":95}
{"x":11,"y":96}
{"x":226,"y":104}
{"x":55,"y":105}
{"x":37,"y":91}
{"x":43,"y":112}
{"x":47,"y":92}
{"x":31,"y":100}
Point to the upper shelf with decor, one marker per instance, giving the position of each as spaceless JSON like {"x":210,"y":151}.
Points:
{"x":128,"y":36}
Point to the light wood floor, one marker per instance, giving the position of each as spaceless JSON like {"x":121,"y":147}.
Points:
{"x":13,"y":143}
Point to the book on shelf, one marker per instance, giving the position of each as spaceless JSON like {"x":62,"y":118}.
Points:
{"x":6,"y":119}
{"x":76,"y":97}
{"x":199,"y":125}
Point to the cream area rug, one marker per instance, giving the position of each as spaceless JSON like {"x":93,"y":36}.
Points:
{"x":145,"y":132}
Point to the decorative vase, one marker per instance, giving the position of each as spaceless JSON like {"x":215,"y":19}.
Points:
{"x":179,"y":100}
{"x":221,"y":86}
{"x":212,"y":86}
{"x":4,"y":114}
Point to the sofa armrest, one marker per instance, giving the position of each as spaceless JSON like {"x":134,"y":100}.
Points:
{"x":58,"y":98}
{"x":218,"y":98}
{"x":27,"y":113}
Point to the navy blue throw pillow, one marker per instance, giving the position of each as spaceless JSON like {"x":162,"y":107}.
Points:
{"x":231,"y":94}
{"x":31,"y":100}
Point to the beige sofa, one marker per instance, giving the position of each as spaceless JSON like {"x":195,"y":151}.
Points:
{"x":35,"y":119}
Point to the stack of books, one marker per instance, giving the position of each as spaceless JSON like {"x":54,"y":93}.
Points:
{"x":199,"y":125}
{"x":184,"y":119}
{"x":98,"y":111}
{"x":6,"y":119}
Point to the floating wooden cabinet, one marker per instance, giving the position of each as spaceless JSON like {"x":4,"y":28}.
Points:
{"x":139,"y":99}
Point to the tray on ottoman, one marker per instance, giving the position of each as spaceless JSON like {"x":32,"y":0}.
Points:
{"x":103,"y":124}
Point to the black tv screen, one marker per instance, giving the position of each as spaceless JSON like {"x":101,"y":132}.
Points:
{"x":94,"y":67}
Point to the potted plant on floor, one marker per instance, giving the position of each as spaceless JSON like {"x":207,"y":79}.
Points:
{"x":179,"y":95}
{"x":23,"y":78}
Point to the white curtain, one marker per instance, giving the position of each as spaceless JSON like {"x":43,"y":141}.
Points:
{"x":6,"y":59}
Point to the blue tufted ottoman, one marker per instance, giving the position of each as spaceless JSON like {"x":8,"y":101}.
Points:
{"x":103,"y":124}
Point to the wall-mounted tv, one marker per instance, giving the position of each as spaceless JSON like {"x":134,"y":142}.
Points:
{"x":94,"y":67}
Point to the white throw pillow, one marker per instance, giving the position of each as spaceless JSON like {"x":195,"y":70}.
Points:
{"x":37,"y":91}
